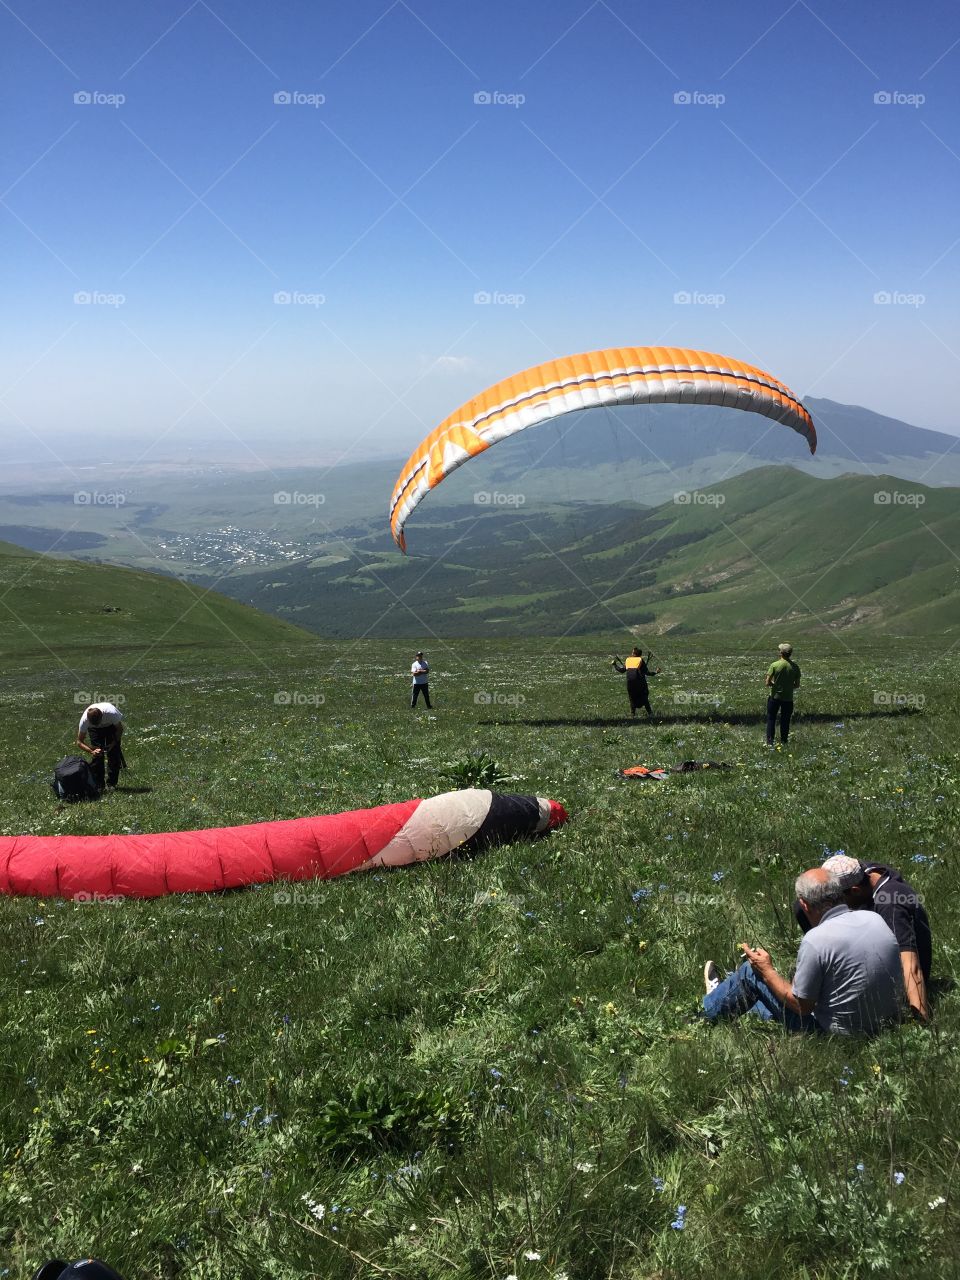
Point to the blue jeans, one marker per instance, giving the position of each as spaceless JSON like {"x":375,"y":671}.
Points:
{"x":743,"y":992}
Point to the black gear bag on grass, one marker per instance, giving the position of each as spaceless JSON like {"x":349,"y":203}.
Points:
{"x":73,"y":780}
{"x":85,"y":1269}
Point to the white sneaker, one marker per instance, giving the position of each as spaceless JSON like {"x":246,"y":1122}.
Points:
{"x":711,"y":976}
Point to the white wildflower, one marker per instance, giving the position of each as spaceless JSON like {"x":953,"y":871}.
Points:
{"x":935,"y":1204}
{"x":318,"y":1211}
{"x":531,"y":1255}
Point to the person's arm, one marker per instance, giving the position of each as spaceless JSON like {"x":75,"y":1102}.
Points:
{"x":83,"y":745}
{"x":783,"y":990}
{"x":617,"y":665}
{"x":769,"y":680}
{"x":899,"y":918}
{"x":796,"y":676}
{"x":914,"y":985}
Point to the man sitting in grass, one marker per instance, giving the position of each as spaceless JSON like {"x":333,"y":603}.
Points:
{"x":847,"y":979}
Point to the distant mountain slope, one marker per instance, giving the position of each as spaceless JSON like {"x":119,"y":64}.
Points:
{"x":647,"y":453}
{"x":770,"y":545}
{"x":215,"y":521}
{"x":56,"y":606}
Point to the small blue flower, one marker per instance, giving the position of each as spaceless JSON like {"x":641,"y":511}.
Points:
{"x":899,"y":1178}
{"x":679,"y":1222}
{"x":717,"y":876}
{"x":497,"y":1075}
{"x":658,"y":1184}
{"x":919,"y":857}
{"x":639,"y":894}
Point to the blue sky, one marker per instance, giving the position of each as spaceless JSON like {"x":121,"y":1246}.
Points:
{"x":781,"y":197}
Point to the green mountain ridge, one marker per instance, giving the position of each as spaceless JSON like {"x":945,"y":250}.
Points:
{"x":773,"y":546}
{"x":60,"y":607}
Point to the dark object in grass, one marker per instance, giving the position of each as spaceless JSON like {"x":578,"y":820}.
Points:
{"x":74,"y":781}
{"x":641,"y":773}
{"x":85,"y":1269}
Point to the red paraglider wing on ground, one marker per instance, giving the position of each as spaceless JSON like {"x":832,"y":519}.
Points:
{"x":146,"y":866}
{"x":88,"y":868}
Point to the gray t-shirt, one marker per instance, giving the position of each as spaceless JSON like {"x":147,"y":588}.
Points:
{"x":850,"y":965}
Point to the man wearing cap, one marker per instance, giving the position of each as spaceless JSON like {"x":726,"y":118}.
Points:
{"x":875,"y":887}
{"x":420,"y":671}
{"x":102,"y":722}
{"x":783,"y":677}
{"x":847,"y":976}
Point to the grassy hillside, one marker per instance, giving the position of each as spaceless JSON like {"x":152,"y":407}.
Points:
{"x":480,"y":1069}
{"x":57,"y":607}
{"x":773,"y":546}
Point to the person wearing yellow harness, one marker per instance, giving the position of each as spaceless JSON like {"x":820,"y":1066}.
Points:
{"x":636,"y":669}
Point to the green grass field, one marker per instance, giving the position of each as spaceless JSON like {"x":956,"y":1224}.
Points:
{"x":479,"y":1069}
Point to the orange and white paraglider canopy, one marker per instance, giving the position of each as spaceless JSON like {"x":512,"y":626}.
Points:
{"x":617,"y":376}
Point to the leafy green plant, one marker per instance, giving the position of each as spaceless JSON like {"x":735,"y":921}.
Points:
{"x":477,"y":770}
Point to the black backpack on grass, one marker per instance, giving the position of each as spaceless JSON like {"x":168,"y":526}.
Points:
{"x":73,"y":780}
{"x":86,"y":1269}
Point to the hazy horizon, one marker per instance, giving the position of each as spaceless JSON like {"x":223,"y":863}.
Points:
{"x":321,"y":231}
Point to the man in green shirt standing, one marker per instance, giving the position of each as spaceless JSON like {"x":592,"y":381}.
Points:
{"x":782,"y":678}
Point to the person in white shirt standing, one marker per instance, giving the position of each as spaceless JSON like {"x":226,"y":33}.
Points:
{"x":420,"y":671}
{"x":102,"y":723}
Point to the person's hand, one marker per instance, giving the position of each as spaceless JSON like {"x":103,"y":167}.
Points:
{"x":758,"y":957}
{"x":97,"y":751}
